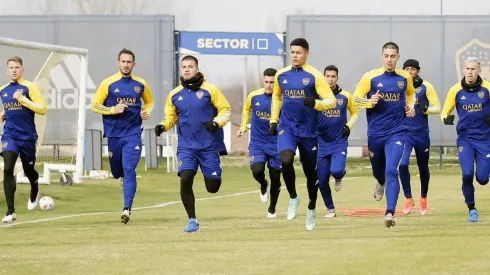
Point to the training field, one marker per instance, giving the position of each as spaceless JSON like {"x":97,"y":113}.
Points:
{"x":83,"y":234}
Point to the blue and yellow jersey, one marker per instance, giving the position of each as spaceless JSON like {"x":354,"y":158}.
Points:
{"x":472,"y":108}
{"x":396,"y":90}
{"x":19,"y":113}
{"x":257,"y":112}
{"x":129,"y":90}
{"x":191,"y":110}
{"x":425,"y":94}
{"x":331,"y":122}
{"x":291,"y":86}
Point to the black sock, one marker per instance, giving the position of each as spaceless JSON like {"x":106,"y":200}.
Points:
{"x":275,"y":176}
{"x":471,"y":206}
{"x":312,"y":189}
{"x":9,"y":187}
{"x":186,"y":192}
{"x":389,"y":212}
{"x":288,"y":173}
{"x":127,"y":208}
{"x":34,"y":190}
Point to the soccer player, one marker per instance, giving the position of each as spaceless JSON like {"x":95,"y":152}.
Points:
{"x":471,"y":99}
{"x":263,"y":147}
{"x":334,"y":131}
{"x":21,"y":100}
{"x":299,"y":92}
{"x":200,"y":111}
{"x":417,"y":136}
{"x":387,"y":94}
{"x":118,"y":100}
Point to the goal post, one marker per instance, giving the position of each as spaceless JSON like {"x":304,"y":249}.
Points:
{"x":60,"y":129}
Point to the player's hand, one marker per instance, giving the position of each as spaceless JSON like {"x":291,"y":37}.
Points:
{"x":119,"y":108}
{"x":240,"y":132}
{"x":144,"y":114}
{"x":2,"y":116}
{"x":273,"y":129}
{"x":211,"y":126}
{"x":449,"y":120}
{"x":17,"y":95}
{"x":375,"y":98}
{"x":487,"y":119}
{"x":309,"y":101}
{"x":346,"y":131}
{"x":409,"y":111}
{"x":159,"y":129}
{"x":422,"y":107}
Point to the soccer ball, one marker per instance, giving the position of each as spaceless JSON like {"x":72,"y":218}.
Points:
{"x":46,"y":203}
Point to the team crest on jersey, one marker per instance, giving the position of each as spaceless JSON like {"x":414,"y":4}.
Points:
{"x":481,"y":94}
{"x":401,"y":84}
{"x":460,"y":149}
{"x":137,"y":89}
{"x":474,"y":48}
{"x":199,"y":94}
{"x":306,"y":81}
{"x":340,"y":101}
{"x":417,"y":90}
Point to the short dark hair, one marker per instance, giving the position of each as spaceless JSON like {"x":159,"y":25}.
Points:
{"x":126,"y":51}
{"x":331,"y":68}
{"x":300,"y":42}
{"x":391,"y":45}
{"x":270,"y":72}
{"x":190,"y":57}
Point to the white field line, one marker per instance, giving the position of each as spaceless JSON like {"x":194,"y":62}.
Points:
{"x":160,"y":205}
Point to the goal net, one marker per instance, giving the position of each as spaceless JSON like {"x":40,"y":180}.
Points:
{"x":61,"y":74}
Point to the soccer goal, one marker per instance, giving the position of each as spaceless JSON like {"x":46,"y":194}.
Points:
{"x":61,"y":74}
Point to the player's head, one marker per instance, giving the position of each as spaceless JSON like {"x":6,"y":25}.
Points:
{"x":15,"y":68}
{"x":471,"y":69}
{"x":268,"y":79}
{"x":412,"y":67}
{"x":299,"y":50}
{"x":126,"y":61}
{"x":390,"y":54}
{"x":189,"y":67}
{"x":331,"y":73}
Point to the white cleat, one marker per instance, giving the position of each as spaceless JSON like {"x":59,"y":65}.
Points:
{"x":338,"y":184}
{"x":379,"y":191}
{"x":31,"y":205}
{"x":125,"y":216}
{"x":293,"y":206}
{"x":9,"y":218}
{"x":310,"y":219}
{"x":265,"y":196}
{"x":271,"y":215}
{"x":121,"y":181}
{"x":389,"y":220}
{"x":331,"y":213}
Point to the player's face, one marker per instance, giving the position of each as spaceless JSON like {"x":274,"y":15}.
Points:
{"x":412,"y":71}
{"x":126,"y":64}
{"x":471,"y":70}
{"x":298,"y":56}
{"x":268,"y":84}
{"x":14,"y":70}
{"x":390,"y":57}
{"x":188,"y":69}
{"x":332,"y":78}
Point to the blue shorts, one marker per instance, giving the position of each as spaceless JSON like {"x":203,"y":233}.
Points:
{"x":124,"y":153}
{"x":265,"y":154}
{"x":26,"y":149}
{"x":307,"y":146}
{"x":209,"y":161}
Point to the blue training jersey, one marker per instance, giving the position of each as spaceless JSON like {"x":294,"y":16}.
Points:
{"x":396,"y":89}
{"x":19,"y":113}
{"x":472,"y":107}
{"x":291,"y":86}
{"x":426,"y":95}
{"x":257,"y":112}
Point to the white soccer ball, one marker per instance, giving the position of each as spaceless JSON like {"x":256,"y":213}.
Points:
{"x":46,"y":203}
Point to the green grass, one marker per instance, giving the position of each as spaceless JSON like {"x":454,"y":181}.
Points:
{"x":235,"y":235}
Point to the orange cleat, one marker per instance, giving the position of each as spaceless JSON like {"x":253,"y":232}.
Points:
{"x":423,"y":206}
{"x":408,"y":206}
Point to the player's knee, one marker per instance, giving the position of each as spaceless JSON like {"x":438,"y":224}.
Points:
{"x":337,"y":173}
{"x":9,"y":159}
{"x":212,"y":185}
{"x":187,"y":177}
{"x":468,"y":178}
{"x":482,"y":179}
{"x":258,"y":169}
{"x":287,"y":158}
{"x":391,"y":172}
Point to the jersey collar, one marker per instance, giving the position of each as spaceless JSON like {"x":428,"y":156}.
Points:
{"x":120,"y":75}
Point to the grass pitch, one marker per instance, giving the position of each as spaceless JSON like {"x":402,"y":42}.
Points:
{"x":83,"y":234}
